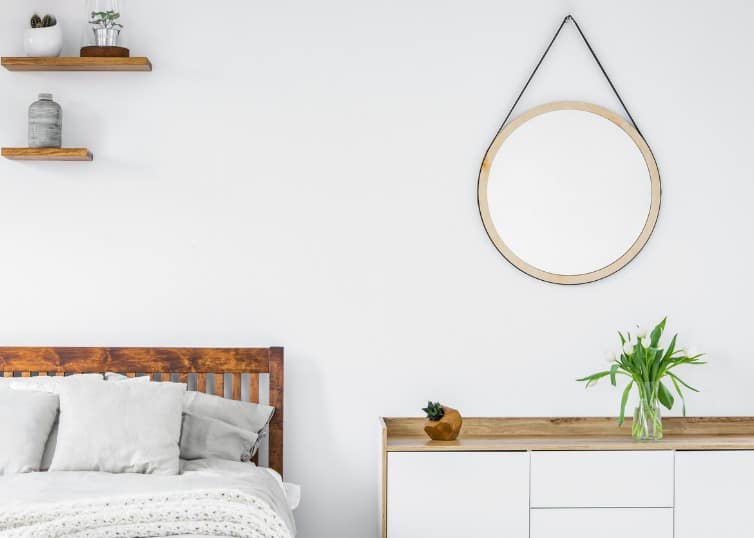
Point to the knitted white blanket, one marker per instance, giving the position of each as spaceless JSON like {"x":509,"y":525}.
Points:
{"x":206,"y":512}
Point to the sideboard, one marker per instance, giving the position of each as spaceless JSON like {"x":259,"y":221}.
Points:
{"x":568,"y":477}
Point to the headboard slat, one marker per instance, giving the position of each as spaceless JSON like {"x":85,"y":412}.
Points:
{"x":220,"y":385}
{"x":254,"y":388}
{"x":201,"y":382}
{"x":235,"y":380}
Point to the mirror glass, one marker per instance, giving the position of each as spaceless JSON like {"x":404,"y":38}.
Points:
{"x":567,"y":192}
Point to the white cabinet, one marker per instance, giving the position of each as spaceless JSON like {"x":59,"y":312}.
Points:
{"x":600,"y":479}
{"x":570,"y":494}
{"x":714,"y":494}
{"x":602,"y":523}
{"x":458,"y":494}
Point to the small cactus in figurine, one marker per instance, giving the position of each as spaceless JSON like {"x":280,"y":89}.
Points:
{"x":434,"y":411}
{"x":43,"y":22}
{"x":44,"y":37}
{"x":48,"y":20}
{"x":443,"y":423}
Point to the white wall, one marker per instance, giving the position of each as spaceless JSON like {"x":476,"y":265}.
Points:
{"x":304,"y":174}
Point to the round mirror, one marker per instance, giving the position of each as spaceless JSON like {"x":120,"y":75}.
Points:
{"x":569,"y":192}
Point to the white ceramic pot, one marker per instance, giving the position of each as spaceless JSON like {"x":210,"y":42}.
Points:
{"x":44,"y":42}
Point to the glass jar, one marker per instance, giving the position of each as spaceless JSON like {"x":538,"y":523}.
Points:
{"x":647,"y":425}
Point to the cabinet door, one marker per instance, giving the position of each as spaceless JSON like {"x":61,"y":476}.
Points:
{"x":458,"y":494}
{"x":713,"y":494}
{"x":602,"y":523}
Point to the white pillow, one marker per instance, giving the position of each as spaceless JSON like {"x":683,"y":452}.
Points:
{"x":26,"y":418}
{"x":120,"y":428}
{"x":51,"y":385}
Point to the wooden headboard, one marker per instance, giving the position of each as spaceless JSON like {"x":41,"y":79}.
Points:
{"x":165,"y":364}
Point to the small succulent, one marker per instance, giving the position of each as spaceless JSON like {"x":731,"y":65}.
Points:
{"x":434,"y":411}
{"x":43,"y":22}
{"x":105,"y":19}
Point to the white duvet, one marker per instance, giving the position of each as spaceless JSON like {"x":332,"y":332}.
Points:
{"x":209,"y":498}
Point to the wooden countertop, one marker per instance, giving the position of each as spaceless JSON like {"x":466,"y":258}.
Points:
{"x":523,"y":434}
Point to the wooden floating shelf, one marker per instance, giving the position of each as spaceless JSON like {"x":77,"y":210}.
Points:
{"x":75,"y":63}
{"x":47,"y":154}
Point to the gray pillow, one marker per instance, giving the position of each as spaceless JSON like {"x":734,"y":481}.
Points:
{"x":243,"y":415}
{"x":119,"y":428}
{"x":203,"y":437}
{"x":26,"y":418}
{"x":50,"y":384}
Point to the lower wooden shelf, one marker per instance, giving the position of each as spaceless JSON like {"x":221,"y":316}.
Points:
{"x":47,"y":154}
{"x":137,"y":63}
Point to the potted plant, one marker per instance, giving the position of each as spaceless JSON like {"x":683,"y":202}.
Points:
{"x":443,"y":423}
{"x":651,"y":368}
{"x":106,"y":27}
{"x":44,"y":38}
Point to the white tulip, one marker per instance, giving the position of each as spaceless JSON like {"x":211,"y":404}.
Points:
{"x":641,"y":332}
{"x":610,"y":357}
{"x":628,"y":348}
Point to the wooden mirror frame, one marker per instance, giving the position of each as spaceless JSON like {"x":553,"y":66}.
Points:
{"x":634,"y":249}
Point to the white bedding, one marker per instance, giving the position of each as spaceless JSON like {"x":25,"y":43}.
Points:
{"x":209,"y":498}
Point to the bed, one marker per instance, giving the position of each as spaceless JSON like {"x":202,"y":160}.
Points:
{"x":208,"y":497}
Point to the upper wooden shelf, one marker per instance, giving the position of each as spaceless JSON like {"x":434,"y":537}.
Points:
{"x":47,"y":154}
{"x":525,"y":434}
{"x":74,"y":63}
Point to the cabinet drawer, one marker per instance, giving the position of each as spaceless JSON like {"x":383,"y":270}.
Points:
{"x":604,"y":479}
{"x":602,"y":522}
{"x":457,"y":494}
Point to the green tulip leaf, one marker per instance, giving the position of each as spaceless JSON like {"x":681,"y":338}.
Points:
{"x":680,"y":393}
{"x":623,"y":402}
{"x":613,"y":370}
{"x":665,"y":396}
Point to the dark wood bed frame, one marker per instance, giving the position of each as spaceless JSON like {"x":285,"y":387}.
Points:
{"x":166,"y":363}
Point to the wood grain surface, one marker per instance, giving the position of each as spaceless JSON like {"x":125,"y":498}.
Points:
{"x":572,"y":433}
{"x":75,"y":63}
{"x":47,"y":154}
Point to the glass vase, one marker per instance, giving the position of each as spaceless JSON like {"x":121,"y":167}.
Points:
{"x":99,"y":30}
{"x":647,"y":425}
